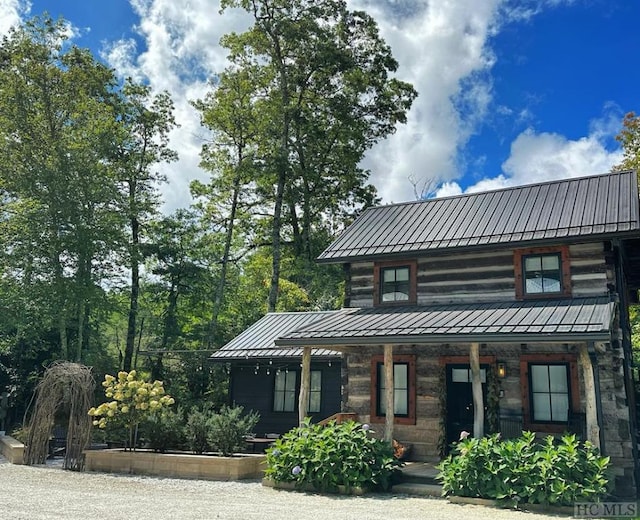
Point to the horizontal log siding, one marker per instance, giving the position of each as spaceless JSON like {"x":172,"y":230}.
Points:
{"x":425,"y":434}
{"x":588,"y":270}
{"x":483,"y":277}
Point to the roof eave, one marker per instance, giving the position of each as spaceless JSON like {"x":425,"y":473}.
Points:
{"x":293,"y":358}
{"x":574,"y":239}
{"x":428,"y":339}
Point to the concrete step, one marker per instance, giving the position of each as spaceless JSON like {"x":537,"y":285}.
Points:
{"x":415,"y":489}
{"x":419,"y":473}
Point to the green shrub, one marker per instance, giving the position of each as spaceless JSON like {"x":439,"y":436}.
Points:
{"x":164,"y":430}
{"x":197,"y":430}
{"x":326,"y":457}
{"x":521,"y":470}
{"x":229,"y":428}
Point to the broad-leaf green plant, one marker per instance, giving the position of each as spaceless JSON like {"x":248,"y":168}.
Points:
{"x":332,"y":456}
{"x":522,"y":470}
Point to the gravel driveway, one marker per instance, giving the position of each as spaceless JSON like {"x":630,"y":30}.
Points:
{"x":33,"y":493}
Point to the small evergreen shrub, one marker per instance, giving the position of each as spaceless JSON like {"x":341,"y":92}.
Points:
{"x":164,"y":430}
{"x":523,"y":471}
{"x":197,"y":430}
{"x":229,"y":427}
{"x":326,"y":457}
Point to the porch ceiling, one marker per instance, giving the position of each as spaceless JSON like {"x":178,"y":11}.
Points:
{"x":577,"y":319}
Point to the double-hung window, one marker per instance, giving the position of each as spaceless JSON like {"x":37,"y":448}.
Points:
{"x":284,"y":395}
{"x":400,"y":389}
{"x":404,"y":389}
{"x":542,"y":272}
{"x":315,"y":391}
{"x":395,"y":282}
{"x":549,"y":392}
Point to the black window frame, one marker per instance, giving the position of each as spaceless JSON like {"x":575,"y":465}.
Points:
{"x":532,"y":409}
{"x":380,"y":388}
{"x":558,"y":271}
{"x":285,"y":391}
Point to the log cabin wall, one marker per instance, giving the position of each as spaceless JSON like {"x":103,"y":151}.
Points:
{"x":425,"y":434}
{"x":483,"y":276}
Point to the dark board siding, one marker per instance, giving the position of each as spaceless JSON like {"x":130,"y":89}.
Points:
{"x":255,"y":392}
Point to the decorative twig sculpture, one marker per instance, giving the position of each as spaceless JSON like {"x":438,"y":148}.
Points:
{"x":64,"y":386}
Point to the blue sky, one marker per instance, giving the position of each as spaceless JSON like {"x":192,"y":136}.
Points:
{"x":510,"y":91}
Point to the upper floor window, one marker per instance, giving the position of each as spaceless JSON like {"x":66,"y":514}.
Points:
{"x":542,"y":272}
{"x":395,"y":282}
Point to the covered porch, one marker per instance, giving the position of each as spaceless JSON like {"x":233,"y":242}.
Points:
{"x":427,"y":373}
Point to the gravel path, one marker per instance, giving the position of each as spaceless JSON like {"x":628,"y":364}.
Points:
{"x":34,"y":493}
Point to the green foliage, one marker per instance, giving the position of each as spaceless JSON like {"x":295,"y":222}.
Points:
{"x":523,"y":471}
{"x":164,"y":430}
{"x":326,"y":457}
{"x":229,"y":427}
{"x":133,"y":400}
{"x":197,"y":430}
{"x":629,"y":139}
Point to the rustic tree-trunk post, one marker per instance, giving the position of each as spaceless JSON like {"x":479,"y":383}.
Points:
{"x":388,"y":393}
{"x":593,"y":429}
{"x":305,"y":384}
{"x":476,"y":387}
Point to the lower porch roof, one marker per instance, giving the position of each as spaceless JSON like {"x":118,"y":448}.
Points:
{"x":257,"y":341}
{"x":561,"y":320}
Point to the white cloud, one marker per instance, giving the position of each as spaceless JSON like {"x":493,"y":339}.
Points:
{"x":11,"y":13}
{"x":181,"y":52}
{"x":442,"y":50}
{"x":546,"y":156}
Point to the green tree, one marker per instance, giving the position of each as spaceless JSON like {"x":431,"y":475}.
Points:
{"x":324,"y":94}
{"x":142,"y":142}
{"x":229,"y":112}
{"x":629,"y":138}
{"x":56,"y":191}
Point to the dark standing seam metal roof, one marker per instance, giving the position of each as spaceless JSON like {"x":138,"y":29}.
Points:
{"x":577,"y":319}
{"x":566,"y":209}
{"x":256,"y":342}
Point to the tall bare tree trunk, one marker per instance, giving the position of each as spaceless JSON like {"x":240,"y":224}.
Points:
{"x":593,"y":429}
{"x":305,"y":385}
{"x":388,"y":394}
{"x":476,"y":388}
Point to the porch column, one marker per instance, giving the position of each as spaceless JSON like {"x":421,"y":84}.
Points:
{"x":591,"y":408}
{"x":476,"y":388}
{"x":388,"y":393}
{"x":305,"y":384}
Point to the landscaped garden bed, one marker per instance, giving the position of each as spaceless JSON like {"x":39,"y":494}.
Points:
{"x":178,"y":465}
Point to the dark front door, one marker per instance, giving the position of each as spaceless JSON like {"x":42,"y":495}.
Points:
{"x":460,"y":400}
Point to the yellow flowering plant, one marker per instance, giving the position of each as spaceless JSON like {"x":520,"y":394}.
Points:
{"x":132,"y":400}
